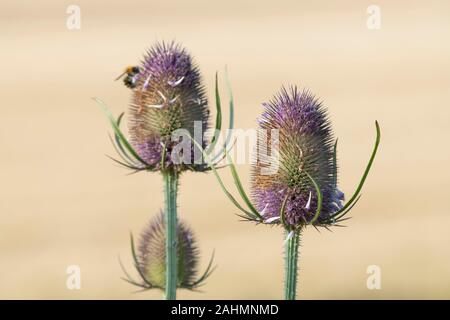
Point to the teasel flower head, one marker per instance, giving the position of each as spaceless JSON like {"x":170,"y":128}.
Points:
{"x":303,"y":191}
{"x":168,"y":101}
{"x":168,"y":96}
{"x":305,"y":151}
{"x":150,"y":260}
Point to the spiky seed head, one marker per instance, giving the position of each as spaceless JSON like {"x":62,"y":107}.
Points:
{"x":152,"y":257}
{"x":168,"y":95}
{"x":305,"y":146}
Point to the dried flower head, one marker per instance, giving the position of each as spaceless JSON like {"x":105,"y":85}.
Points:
{"x":168,"y":95}
{"x":305,"y":151}
{"x":150,"y":257}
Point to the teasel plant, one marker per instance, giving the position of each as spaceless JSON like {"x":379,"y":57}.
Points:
{"x":149,"y":258}
{"x":304,"y":190}
{"x":167,"y":96}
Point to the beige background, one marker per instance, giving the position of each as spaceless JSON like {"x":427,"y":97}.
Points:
{"x":62,"y":202}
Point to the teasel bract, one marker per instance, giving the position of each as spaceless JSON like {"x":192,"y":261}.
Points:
{"x":304,"y":190}
{"x":168,"y":102}
{"x":149,"y":258}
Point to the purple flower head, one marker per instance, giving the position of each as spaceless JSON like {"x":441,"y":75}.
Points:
{"x":305,"y":151}
{"x":168,"y":95}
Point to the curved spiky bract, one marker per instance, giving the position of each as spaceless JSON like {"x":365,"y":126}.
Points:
{"x":150,"y":258}
{"x":306,"y":161}
{"x":168,"y":96}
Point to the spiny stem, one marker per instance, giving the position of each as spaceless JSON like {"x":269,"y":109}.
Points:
{"x":291,"y":257}
{"x":170,"y":197}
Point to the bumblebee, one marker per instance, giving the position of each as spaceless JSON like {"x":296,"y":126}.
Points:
{"x":131,"y":74}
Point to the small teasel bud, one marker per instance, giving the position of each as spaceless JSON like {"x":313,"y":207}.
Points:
{"x":305,"y":151}
{"x":150,"y":257}
{"x":168,"y":96}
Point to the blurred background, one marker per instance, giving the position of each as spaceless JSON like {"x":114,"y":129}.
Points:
{"x":63,"y":202}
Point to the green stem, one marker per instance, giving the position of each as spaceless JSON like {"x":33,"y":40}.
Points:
{"x":170,"y":197}
{"x":291,"y":257}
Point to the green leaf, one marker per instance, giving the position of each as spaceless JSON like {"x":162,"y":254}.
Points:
{"x":237,"y":182}
{"x":230,"y":111}
{"x":283,"y":212}
{"x":339,"y":218}
{"x":209,"y":269}
{"x":135,"y":283}
{"x":129,"y":279}
{"x":222,"y":185}
{"x":247,"y":218}
{"x":136,"y":261}
{"x":124,"y":164}
{"x":218,"y":125}
{"x":231,"y":120}
{"x":163,"y":157}
{"x":119,"y":153}
{"x":335,"y":164}
{"x":119,"y":143}
{"x":118,"y":132}
{"x":319,"y":198}
{"x":366,"y":172}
